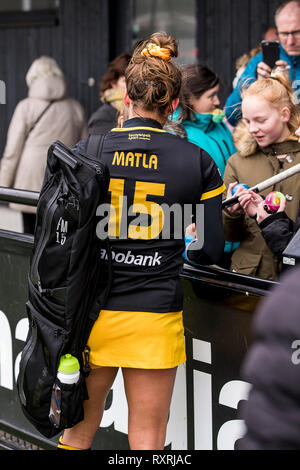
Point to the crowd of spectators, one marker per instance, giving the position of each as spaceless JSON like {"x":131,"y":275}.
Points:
{"x":245,"y":150}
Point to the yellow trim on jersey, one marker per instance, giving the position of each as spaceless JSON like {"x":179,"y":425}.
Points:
{"x":124,"y":129}
{"x":213,"y":193}
{"x":63,"y":446}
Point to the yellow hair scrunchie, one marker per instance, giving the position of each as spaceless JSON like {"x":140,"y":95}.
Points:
{"x":153,"y":50}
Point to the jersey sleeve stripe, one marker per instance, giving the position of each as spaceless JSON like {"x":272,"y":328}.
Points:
{"x":213,"y":193}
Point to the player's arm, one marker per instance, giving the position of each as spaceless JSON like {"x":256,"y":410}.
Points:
{"x":208,"y":245}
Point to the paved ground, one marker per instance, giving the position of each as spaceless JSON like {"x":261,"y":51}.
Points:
{"x":10,"y":220}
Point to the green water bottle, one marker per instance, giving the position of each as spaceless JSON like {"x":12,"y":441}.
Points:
{"x":68,"y":373}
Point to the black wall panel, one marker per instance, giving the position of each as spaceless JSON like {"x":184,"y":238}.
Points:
{"x":92,"y":32}
{"x":80,"y":44}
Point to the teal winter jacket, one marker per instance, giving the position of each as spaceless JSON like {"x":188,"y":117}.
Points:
{"x":209,"y":132}
{"x":214,"y":138}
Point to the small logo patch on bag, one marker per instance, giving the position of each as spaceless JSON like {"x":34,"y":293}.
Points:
{"x":61,"y":231}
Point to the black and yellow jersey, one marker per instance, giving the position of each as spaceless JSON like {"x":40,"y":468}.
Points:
{"x":156,"y":182}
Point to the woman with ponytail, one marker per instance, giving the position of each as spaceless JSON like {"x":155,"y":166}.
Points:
{"x":267,"y":144}
{"x":140,"y":328}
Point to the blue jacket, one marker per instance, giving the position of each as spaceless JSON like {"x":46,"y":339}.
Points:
{"x":214,"y":138}
{"x":233,"y":103}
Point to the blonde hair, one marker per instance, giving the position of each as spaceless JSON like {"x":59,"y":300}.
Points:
{"x":43,"y":67}
{"x":153,"y":80}
{"x":245,"y":58}
{"x":277,"y":91}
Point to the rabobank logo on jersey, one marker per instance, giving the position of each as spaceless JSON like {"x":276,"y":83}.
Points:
{"x":131,"y":259}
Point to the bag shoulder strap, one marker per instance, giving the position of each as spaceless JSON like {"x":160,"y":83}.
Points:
{"x":94,"y":145}
{"x":40,"y":117}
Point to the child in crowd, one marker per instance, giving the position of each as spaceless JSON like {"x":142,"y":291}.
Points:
{"x":266,"y":144}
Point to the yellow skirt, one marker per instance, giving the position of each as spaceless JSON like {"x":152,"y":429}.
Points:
{"x":140,"y":340}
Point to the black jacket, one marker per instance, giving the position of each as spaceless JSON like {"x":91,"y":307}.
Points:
{"x":278,"y":230}
{"x":103,"y":120}
{"x":272,"y":366}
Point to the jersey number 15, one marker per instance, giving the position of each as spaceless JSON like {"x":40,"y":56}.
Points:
{"x":141,"y":205}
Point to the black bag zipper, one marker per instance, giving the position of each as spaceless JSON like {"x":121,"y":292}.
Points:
{"x":46,"y":227}
{"x":26,"y":353}
{"x":90,"y":162}
{"x":63,"y":153}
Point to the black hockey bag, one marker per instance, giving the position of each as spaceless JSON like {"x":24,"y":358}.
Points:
{"x":68,"y":283}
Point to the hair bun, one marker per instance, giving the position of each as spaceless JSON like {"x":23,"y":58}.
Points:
{"x":159,"y":45}
{"x":153,"y":81}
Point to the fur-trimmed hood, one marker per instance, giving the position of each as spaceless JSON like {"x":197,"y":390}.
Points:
{"x":244,"y":142}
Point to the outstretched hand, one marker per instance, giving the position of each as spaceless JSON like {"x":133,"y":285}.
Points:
{"x":254,"y":206}
{"x":250,"y":202}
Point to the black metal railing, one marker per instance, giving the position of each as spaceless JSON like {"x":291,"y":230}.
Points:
{"x":206,"y":274}
{"x":19,"y":196}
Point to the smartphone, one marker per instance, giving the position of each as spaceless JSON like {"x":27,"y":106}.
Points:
{"x":271,"y":52}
